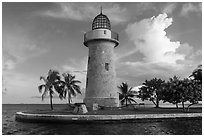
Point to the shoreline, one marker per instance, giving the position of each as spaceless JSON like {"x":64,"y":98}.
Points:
{"x":32,"y":117}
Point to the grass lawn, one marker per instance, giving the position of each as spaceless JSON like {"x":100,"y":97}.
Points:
{"x":122,"y":111}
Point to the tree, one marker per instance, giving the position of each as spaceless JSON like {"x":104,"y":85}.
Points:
{"x":152,"y":91}
{"x":180,"y":91}
{"x":176,"y":91}
{"x":126,"y":95}
{"x":188,"y":90}
{"x":194,"y":92}
{"x":171,"y":91}
{"x":59,"y":87}
{"x":69,"y":86}
{"x":49,"y":83}
{"x":197,"y":74}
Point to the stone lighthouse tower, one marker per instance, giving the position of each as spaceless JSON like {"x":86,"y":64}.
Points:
{"x":101,"y":83}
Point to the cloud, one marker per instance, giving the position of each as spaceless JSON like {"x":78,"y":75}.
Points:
{"x":87,"y":11}
{"x":135,"y":73}
{"x":75,"y":65}
{"x":8,"y":64}
{"x":191,"y":7}
{"x":185,"y":49}
{"x":150,"y":39}
{"x":142,"y":7}
{"x":169,"y":8}
{"x":17,"y":50}
{"x":161,"y":57}
{"x":77,"y":68}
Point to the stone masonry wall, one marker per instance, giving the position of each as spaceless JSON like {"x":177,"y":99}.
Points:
{"x":101,"y":84}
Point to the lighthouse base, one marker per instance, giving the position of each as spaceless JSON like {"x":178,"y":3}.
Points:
{"x":105,"y":102}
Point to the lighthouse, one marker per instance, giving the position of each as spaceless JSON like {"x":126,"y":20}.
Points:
{"x":101,"y":85}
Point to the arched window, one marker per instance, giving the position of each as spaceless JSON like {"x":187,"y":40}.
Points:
{"x":107,"y":66}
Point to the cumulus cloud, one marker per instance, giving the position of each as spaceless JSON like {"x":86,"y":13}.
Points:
{"x":150,"y":39}
{"x":191,"y":7}
{"x":161,"y":57}
{"x":86,"y":11}
{"x":185,"y":49}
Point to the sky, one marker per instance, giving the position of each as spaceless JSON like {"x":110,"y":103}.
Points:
{"x":156,"y":40}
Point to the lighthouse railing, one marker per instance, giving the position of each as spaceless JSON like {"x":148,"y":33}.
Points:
{"x":98,"y":34}
{"x":114,"y":35}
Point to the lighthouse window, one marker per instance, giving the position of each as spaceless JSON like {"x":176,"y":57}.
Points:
{"x":107,"y":66}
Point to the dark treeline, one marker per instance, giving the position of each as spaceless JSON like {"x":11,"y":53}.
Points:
{"x":174,"y":90}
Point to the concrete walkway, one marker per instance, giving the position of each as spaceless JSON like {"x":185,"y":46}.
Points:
{"x":27,"y":117}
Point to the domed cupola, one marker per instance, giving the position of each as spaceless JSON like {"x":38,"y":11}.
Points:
{"x":101,"y":21}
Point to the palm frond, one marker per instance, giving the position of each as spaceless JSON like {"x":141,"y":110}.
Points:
{"x":43,"y":78}
{"x":59,"y":82}
{"x":61,"y":96}
{"x":122,"y":101}
{"x":77,"y":88}
{"x":72,"y":77}
{"x":71,"y":87}
{"x":53,"y":76}
{"x":44,"y":93}
{"x":121,"y":96}
{"x":75,"y":81}
{"x":131,"y":95}
{"x":72,"y":91}
{"x":130,"y":90}
{"x":130,"y":99}
{"x":40,"y":88}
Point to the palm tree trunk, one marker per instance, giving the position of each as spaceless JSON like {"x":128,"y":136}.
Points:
{"x":126,"y":102}
{"x":51,"y":101}
{"x":69,"y":101}
{"x":183,"y":106}
{"x":157,"y":103}
{"x":68,"y":98}
{"x":177,"y":105}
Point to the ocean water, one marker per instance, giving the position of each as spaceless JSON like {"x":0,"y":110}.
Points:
{"x":174,"y":126}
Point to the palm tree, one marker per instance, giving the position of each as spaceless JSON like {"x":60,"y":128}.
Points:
{"x":126,"y":94}
{"x":70,"y":86}
{"x":49,"y":83}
